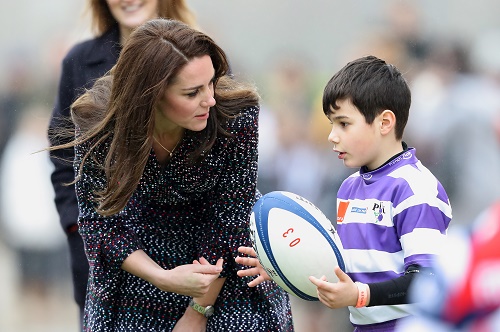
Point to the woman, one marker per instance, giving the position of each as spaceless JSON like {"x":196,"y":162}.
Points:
{"x":112,"y":22}
{"x":166,"y":158}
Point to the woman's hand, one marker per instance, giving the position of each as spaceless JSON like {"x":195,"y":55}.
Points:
{"x":336,"y":294}
{"x":255,"y":270}
{"x":191,"y":279}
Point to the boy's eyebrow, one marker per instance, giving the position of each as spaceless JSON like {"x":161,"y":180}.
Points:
{"x":337,"y":117}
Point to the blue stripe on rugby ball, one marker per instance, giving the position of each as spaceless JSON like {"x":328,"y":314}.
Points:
{"x":281,"y":201}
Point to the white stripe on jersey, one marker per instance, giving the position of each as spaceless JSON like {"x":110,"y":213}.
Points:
{"x":372,"y":315}
{"x":423,"y":241}
{"x":372,"y":261}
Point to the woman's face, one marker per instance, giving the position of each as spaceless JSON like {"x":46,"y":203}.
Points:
{"x":187,"y":100}
{"x":131,"y":13}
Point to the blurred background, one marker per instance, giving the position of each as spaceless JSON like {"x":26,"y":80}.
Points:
{"x":449,"y":51}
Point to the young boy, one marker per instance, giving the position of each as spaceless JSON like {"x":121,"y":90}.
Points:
{"x":392,"y":214}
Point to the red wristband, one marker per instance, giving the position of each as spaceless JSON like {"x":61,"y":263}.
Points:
{"x":362,"y":294}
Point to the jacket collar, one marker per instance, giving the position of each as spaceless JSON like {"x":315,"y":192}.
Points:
{"x":106,"y":48}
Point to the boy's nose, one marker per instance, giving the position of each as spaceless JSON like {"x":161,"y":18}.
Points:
{"x":332,"y":137}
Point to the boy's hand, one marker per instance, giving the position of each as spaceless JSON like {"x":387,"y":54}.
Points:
{"x":336,"y":295}
{"x":255,"y":270}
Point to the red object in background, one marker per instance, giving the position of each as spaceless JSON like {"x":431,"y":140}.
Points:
{"x":479,"y":292}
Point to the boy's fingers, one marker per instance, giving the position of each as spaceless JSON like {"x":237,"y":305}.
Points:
{"x":314,"y":280}
{"x":341,"y":274}
{"x":247,"y":251}
{"x":248,"y":261}
{"x":255,"y":282}
{"x":248,"y":272}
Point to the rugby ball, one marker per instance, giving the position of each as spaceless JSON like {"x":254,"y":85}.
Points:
{"x":293,"y":240}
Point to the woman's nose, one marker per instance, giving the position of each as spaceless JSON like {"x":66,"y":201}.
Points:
{"x":209,"y":100}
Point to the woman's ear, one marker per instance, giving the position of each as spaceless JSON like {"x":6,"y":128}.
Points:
{"x":387,"y":121}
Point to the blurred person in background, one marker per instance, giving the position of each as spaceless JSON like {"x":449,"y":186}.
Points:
{"x":444,"y":74}
{"x":404,"y":26}
{"x":112,"y":22}
{"x":28,"y":216}
{"x":15,"y":98}
{"x":460,"y":103}
{"x":471,"y":158}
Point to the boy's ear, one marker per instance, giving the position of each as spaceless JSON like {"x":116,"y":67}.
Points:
{"x":387,"y":121}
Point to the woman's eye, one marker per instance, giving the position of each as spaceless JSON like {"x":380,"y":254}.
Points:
{"x":192,"y":94}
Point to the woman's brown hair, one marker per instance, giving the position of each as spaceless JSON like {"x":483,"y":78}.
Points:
{"x":120,"y":106}
{"x":103,"y":20}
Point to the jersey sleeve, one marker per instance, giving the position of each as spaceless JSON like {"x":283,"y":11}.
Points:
{"x":422,"y":219}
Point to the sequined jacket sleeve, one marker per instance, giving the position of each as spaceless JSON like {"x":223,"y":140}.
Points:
{"x":235,"y":194}
{"x":108,"y":241}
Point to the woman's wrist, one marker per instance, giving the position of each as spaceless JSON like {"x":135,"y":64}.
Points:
{"x":194,"y":315}
{"x":141,"y":265}
{"x":157,"y":276}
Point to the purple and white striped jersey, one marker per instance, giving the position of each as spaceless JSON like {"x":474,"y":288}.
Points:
{"x":388,"y":219}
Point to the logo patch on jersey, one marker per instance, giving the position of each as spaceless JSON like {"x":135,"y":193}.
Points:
{"x":378,"y":211}
{"x":342,"y":210}
{"x":355,"y":209}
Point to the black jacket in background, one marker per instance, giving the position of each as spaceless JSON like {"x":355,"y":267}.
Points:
{"x":84,"y":63}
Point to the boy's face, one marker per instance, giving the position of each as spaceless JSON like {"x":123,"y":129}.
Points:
{"x":356,"y":142}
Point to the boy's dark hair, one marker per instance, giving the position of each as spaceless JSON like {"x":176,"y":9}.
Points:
{"x":372,"y":85}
